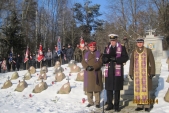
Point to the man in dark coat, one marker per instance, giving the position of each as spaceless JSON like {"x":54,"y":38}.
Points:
{"x":92,"y":64}
{"x":55,"y":55}
{"x":63,"y":55}
{"x":142,"y":70}
{"x":69,"y":53}
{"x":18,"y":62}
{"x":114,"y":59}
{"x":14,"y":63}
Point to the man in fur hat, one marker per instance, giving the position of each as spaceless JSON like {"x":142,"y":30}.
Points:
{"x":114,"y":58}
{"x":142,"y":70}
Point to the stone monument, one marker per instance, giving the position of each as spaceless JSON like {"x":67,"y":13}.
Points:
{"x":154,"y":42}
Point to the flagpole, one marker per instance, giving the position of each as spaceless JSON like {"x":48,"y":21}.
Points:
{"x":11,"y":57}
{"x":26,"y":65}
{"x":40,"y":64}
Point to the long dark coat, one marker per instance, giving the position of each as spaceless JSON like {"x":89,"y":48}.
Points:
{"x":113,"y":82}
{"x":90,"y":75}
{"x":150,"y":64}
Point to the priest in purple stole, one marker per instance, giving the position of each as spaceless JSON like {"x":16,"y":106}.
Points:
{"x":93,"y":84}
{"x":114,"y":59}
{"x":142,"y":69}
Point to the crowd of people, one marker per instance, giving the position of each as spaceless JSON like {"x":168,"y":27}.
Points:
{"x":17,"y":62}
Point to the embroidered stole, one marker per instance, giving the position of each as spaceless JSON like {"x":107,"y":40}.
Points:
{"x":140,"y":77}
{"x":117,"y":67}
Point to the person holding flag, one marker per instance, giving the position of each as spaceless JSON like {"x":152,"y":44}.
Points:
{"x":26,"y":58}
{"x":40,"y":55}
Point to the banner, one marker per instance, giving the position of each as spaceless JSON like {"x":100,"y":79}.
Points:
{"x":82,"y":43}
{"x":59,"y":47}
{"x":26,"y":55}
{"x":40,"y":53}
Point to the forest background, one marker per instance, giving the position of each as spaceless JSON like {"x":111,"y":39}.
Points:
{"x":31,"y":22}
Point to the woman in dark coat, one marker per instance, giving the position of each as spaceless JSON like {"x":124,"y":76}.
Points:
{"x":114,"y":59}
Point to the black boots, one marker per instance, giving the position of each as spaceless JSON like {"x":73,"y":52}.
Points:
{"x":89,"y":105}
{"x":138,"y":109}
{"x":109,"y":107}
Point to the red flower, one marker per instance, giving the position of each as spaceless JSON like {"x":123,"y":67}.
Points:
{"x":83,"y":100}
{"x":30,"y":95}
{"x":53,"y":82}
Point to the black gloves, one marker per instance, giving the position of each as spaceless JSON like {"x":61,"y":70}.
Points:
{"x":89,"y":68}
{"x":105,"y":59}
{"x":151,"y":76}
{"x":113,"y":59}
{"x":132,"y":78}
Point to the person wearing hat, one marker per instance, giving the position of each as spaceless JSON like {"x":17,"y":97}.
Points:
{"x":114,"y":58}
{"x":142,"y":70}
{"x":93,"y":84}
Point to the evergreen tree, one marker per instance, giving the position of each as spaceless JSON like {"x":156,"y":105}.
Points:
{"x":13,"y":33}
{"x":87,"y":17}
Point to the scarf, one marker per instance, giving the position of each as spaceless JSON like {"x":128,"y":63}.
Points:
{"x":118,"y":54}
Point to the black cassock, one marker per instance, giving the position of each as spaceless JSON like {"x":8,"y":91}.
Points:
{"x":112,"y":82}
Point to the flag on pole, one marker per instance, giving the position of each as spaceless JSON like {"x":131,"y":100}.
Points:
{"x":26,"y":55}
{"x":40,"y":53}
{"x":82,"y":43}
{"x":59,"y":46}
{"x":10,"y":55}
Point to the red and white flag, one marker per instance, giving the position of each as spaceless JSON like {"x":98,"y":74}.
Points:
{"x":26,"y":55}
{"x":82,"y":43}
{"x":40,"y":53}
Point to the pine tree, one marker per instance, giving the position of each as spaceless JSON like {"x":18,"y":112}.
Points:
{"x":13,"y":33}
{"x":86,"y":17}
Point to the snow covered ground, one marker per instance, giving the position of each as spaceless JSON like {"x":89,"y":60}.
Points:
{"x":163,"y":86}
{"x":48,"y":101}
